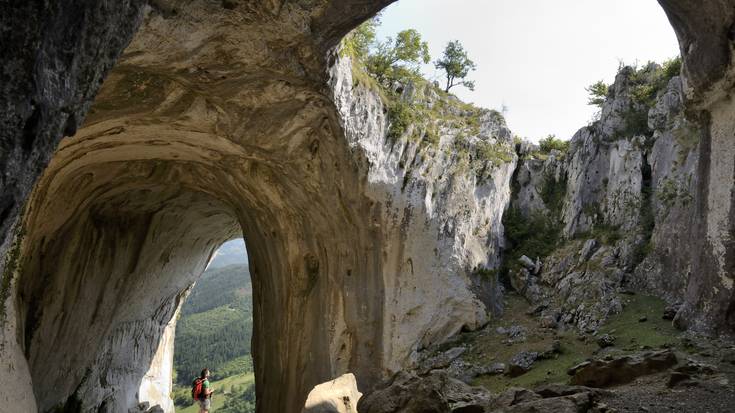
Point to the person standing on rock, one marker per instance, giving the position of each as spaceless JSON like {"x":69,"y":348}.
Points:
{"x":202,"y":391}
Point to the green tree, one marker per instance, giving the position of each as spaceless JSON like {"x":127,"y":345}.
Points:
{"x":552,"y":143}
{"x":456,"y":64}
{"x":401,"y":55}
{"x":358,"y":42}
{"x":598,"y":93}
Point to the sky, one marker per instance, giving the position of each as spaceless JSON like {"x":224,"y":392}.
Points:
{"x":535,"y":57}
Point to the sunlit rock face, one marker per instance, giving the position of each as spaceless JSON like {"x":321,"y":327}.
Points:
{"x":441,"y":211}
{"x":193,"y":137}
{"x":623,"y":193}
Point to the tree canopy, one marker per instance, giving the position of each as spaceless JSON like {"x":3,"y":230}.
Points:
{"x":456,"y":65}
{"x":402,"y":55}
{"x":598,"y":93}
{"x":359,"y":41}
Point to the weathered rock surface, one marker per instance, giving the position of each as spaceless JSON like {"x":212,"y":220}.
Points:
{"x":191,"y":142}
{"x":708,"y":68}
{"x":436,"y":392}
{"x":440,"y":197}
{"x":521,"y":363}
{"x":198,"y":135}
{"x":627,"y":180}
{"x":623,"y":369}
{"x":337,"y":396}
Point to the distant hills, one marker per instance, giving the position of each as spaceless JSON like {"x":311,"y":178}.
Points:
{"x":216,"y":321}
{"x":231,"y":252}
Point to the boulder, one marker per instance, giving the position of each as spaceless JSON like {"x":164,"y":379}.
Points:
{"x":587,"y":250}
{"x":527,"y":262}
{"x":442,"y":360}
{"x":436,"y":392}
{"x":522,"y":363}
{"x":514,"y":396}
{"x":620,"y":370}
{"x":606,"y":340}
{"x":554,"y":398}
{"x":670,"y":311}
{"x":337,"y":396}
{"x":576,"y":403}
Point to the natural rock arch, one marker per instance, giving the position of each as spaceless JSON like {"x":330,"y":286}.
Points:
{"x":187,"y":144}
{"x":230,"y":122}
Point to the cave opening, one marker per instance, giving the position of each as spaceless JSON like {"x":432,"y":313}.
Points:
{"x":213,"y":330}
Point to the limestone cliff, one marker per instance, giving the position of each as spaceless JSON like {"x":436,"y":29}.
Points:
{"x":443,"y":182}
{"x":623,"y":194}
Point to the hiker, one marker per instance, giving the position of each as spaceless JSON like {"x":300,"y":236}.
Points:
{"x":202,"y":392}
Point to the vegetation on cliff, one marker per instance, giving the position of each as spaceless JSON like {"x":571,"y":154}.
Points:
{"x":642,"y":85}
{"x":420,"y":110}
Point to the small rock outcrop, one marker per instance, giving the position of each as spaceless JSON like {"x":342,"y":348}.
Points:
{"x":436,"y":392}
{"x":337,"y":396}
{"x":620,"y":370}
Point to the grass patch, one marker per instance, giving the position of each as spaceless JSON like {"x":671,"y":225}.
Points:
{"x":242,"y":380}
{"x":631,"y":334}
{"x":486,"y":347}
{"x":489,"y":347}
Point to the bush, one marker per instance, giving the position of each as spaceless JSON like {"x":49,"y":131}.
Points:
{"x":552,"y":143}
{"x":358,"y":42}
{"x":398,"y":58}
{"x":553,"y":193}
{"x":535,"y":236}
{"x":598,"y":93}
{"x":401,"y":116}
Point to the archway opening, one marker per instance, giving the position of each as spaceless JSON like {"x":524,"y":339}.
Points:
{"x":214,"y":330}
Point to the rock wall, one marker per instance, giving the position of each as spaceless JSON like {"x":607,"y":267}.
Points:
{"x":625,"y":191}
{"x":201,"y":132}
{"x":54,"y":60}
{"x":441,"y":208}
{"x":216,"y":121}
{"x":705,"y":38}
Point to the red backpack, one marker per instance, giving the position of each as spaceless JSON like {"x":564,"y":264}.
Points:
{"x":197,"y":388}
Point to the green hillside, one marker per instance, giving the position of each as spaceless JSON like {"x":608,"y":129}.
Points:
{"x":214,"y":331}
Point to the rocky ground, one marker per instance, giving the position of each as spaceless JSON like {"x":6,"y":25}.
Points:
{"x":636,"y":362}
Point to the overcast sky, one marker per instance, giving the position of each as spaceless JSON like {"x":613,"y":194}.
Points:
{"x":536,"y":56}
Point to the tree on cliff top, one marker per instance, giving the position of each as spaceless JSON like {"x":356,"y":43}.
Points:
{"x":456,"y":64}
{"x":359,"y":41}
{"x":598,"y":93}
{"x":398,"y":56}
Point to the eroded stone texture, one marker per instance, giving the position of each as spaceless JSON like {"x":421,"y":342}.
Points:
{"x":217,"y":120}
{"x":624,"y":194}
{"x":705,"y":33}
{"x":336,"y":396}
{"x":441,"y":212}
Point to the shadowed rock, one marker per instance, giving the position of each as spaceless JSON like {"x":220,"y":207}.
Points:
{"x":620,"y":370}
